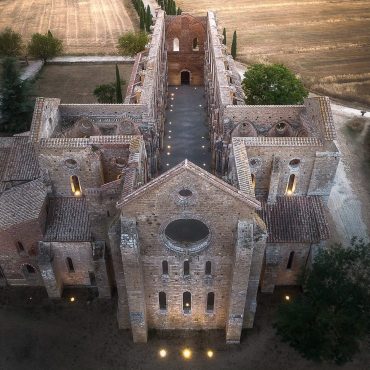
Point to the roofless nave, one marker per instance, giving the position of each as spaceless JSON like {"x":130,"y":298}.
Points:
{"x":81,"y":203}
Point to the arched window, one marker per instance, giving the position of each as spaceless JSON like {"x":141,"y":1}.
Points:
{"x":210,"y":301}
{"x":75,"y":186}
{"x":290,"y":261}
{"x":176,"y":44}
{"x":195,"y":44}
{"x":208,"y":270}
{"x":186,"y":301}
{"x":162,"y":301}
{"x":186,"y":268}
{"x":70,"y":266}
{"x":20,"y":247}
{"x":291,"y":184}
{"x":164,"y":267}
{"x":253,"y":177}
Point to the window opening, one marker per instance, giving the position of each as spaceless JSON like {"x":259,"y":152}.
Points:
{"x":162,"y":301}
{"x":70,"y":266}
{"x":75,"y":186}
{"x":186,"y":302}
{"x":210,"y":301}
{"x":164,"y":267}
{"x":208,"y":270}
{"x":186,"y":268}
{"x":290,"y":261}
{"x":291,"y":184}
{"x":176,"y":44}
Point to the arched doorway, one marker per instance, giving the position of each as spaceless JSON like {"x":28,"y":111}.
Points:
{"x":185,"y":77}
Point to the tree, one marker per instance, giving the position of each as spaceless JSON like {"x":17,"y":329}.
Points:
{"x":333,"y":314}
{"x":132,"y":43}
{"x":148,"y":19}
{"x":272,"y":84}
{"x":179,"y":11}
{"x":118,"y":89}
{"x":224,"y":34}
{"x":15,"y":103}
{"x":45,"y":46}
{"x":106,"y":93}
{"x":10,"y":43}
{"x":233,"y":45}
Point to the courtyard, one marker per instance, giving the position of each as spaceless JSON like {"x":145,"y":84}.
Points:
{"x":40,"y":334}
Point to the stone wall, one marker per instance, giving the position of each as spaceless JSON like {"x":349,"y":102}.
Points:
{"x":182,"y":31}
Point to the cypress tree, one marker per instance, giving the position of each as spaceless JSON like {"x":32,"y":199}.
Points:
{"x":142,"y":19}
{"x":119,"y":98}
{"x":179,"y":11}
{"x":148,"y":19}
{"x":233,"y":46}
{"x":224,"y":34}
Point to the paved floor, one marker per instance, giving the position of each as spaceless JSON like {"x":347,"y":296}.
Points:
{"x":186,"y":129}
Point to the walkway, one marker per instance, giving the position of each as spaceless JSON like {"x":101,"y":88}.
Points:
{"x":186,"y":128}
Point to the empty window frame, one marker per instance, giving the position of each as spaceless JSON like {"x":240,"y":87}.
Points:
{"x":291,"y":184}
{"x":253,"y":178}
{"x":162,"y":301}
{"x":176,"y":44}
{"x":290,"y":261}
{"x":210,"y":302}
{"x":164,"y":268}
{"x":186,"y":268}
{"x":29,"y":269}
{"x":195,"y":44}
{"x":186,"y":302}
{"x":20,"y":248}
{"x":75,"y":186}
{"x":69,"y":263}
{"x":208,"y":269}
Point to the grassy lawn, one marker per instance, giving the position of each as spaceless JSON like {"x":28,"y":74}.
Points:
{"x":75,"y":83}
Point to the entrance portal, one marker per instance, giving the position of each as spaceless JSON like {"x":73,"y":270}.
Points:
{"x":185,"y":78}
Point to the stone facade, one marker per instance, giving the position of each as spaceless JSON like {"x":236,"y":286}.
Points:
{"x":81,"y":203}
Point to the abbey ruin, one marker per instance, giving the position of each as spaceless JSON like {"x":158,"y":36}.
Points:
{"x":88,"y":199}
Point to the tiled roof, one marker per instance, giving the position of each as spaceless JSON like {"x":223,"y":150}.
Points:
{"x":22,"y":203}
{"x":298,"y":219}
{"x":22,"y":161}
{"x":68,"y":220}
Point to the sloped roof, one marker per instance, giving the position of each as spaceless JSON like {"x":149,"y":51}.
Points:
{"x":68,"y":220}
{"x":299,"y":219}
{"x":22,"y":203}
{"x":194,"y":169}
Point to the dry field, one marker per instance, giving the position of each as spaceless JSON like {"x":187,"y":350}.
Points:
{"x":75,"y":83}
{"x":86,"y":26}
{"x":326,"y":41}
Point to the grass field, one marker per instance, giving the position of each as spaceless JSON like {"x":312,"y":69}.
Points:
{"x":85,"y":26}
{"x":75,"y":83}
{"x":327,"y":42}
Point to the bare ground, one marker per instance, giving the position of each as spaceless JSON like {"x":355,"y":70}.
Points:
{"x":85,"y":26}
{"x":41,"y":334}
{"x":75,"y":83}
{"x":327,"y":42}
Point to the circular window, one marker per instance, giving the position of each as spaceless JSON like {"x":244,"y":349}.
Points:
{"x":70,"y":163}
{"x":280,"y":127}
{"x":185,"y":193}
{"x":255,"y":162}
{"x":186,"y":235}
{"x":294,"y":162}
{"x":186,"y":231}
{"x":121,"y":162}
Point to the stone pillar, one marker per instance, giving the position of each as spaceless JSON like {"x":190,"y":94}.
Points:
{"x":259,"y":239}
{"x":271,"y":269}
{"x":100,"y":269}
{"x":132,"y":268}
{"x":52,"y":281}
{"x":274,"y":179}
{"x":114,"y":234}
{"x":239,"y":283}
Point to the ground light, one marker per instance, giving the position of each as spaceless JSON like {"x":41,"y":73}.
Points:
{"x":287,"y":298}
{"x":210,"y":353}
{"x":186,"y":353}
{"x":72,"y":299}
{"x":162,"y":353}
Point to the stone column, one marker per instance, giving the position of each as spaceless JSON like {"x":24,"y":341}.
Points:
{"x":239,"y":283}
{"x":52,"y":281}
{"x":100,"y":269}
{"x":132,"y":268}
{"x":274,"y":179}
{"x":271,"y":269}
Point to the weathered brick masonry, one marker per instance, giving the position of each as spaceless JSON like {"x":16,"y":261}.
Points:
{"x":81,"y":203}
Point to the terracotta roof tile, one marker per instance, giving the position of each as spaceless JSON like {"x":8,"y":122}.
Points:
{"x":299,"y":219}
